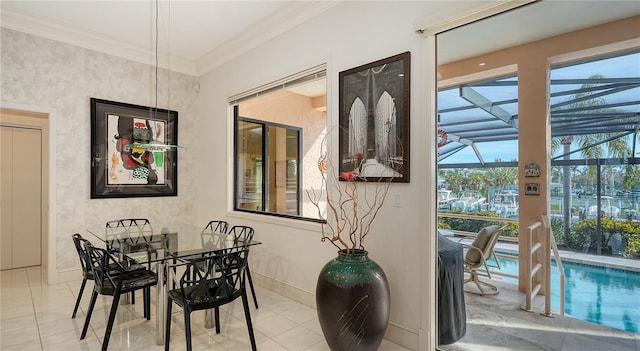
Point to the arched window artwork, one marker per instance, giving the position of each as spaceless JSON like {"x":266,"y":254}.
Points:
{"x":374,"y":119}
{"x":357,"y":127}
{"x":385,"y":128}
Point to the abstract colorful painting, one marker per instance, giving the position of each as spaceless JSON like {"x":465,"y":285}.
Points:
{"x":134,"y":150}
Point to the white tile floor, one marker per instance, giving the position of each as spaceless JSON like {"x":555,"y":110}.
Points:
{"x":34,"y":316}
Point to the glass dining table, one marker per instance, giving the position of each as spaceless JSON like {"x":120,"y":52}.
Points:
{"x":150,"y":245}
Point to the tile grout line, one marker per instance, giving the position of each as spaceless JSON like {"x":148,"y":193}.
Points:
{"x":33,"y":306}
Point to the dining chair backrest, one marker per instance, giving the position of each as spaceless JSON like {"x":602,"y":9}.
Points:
{"x":132,"y":230}
{"x":241,"y":233}
{"x":210,"y":281}
{"x":103,"y":265}
{"x":80,"y":243}
{"x":212,"y":231}
{"x":135,"y":234}
{"x":107,"y":268}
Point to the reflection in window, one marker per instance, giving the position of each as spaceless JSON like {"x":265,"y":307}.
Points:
{"x":267,"y":167}
{"x":278,"y":134}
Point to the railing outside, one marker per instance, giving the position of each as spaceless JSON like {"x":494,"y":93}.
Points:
{"x":533,"y":288}
{"x":472,"y":235}
{"x":532,"y":247}
{"x":551,"y":242}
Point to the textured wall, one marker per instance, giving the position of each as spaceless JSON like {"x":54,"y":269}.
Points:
{"x":47,"y":74}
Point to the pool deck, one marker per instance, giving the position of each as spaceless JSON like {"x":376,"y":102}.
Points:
{"x":497,"y":323}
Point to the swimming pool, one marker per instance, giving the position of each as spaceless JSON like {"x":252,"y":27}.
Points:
{"x":601,"y":295}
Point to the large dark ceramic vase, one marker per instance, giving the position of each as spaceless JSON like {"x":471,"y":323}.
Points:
{"x":352,"y":299}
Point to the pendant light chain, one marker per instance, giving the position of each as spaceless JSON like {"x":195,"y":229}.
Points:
{"x":157,"y":30}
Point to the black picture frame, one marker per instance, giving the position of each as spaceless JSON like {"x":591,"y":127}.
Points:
{"x":120,"y":166}
{"x":374,"y":119}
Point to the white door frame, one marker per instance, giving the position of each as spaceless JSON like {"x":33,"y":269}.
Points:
{"x":427,"y":336}
{"x":50,"y":257}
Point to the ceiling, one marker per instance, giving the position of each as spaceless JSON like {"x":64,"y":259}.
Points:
{"x":196,"y":36}
{"x":538,"y":20}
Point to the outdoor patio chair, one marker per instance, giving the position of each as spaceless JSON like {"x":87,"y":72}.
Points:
{"x":477,"y":256}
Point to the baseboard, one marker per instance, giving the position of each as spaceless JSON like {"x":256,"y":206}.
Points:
{"x":396,"y":333}
{"x":302,"y":296}
{"x":402,"y":335}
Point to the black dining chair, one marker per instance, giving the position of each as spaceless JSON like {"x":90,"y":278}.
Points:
{"x":243,"y":233}
{"x":87,"y":273}
{"x":113,"y":277}
{"x":85,"y":264}
{"x":212,"y":231}
{"x":132,"y":235}
{"x":205,"y":283}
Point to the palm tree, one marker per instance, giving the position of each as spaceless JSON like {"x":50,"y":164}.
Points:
{"x":501,"y":177}
{"x":593,"y":146}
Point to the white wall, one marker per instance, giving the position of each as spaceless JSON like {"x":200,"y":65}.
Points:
{"x":40,"y":74}
{"x":346,"y":36}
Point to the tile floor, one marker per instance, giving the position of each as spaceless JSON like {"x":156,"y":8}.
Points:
{"x":34,"y":316}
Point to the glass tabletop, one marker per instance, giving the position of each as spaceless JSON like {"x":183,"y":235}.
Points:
{"x":162,"y":242}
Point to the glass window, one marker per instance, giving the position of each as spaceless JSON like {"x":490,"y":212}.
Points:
{"x":278,"y":134}
{"x":595,"y":166}
{"x":267,"y":161}
{"x":478,"y":149}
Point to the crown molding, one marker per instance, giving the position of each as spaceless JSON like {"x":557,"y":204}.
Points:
{"x":289,"y":16}
{"x":49,"y":30}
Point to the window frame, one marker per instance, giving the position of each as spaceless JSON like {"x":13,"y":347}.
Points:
{"x":237,"y":118}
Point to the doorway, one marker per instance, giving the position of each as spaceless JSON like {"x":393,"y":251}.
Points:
{"x":23,"y":232}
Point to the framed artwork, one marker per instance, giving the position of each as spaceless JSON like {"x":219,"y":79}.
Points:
{"x":133,"y":150}
{"x":374,"y":119}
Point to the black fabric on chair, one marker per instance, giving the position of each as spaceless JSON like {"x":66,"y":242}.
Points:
{"x":243,"y":233}
{"x":113,"y":278}
{"x":452,"y":316}
{"x":209,"y":282}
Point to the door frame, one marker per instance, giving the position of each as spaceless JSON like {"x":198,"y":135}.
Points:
{"x":43,"y":118}
{"x":429,"y":27}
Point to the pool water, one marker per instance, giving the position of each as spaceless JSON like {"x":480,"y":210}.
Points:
{"x":599,"y":295}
